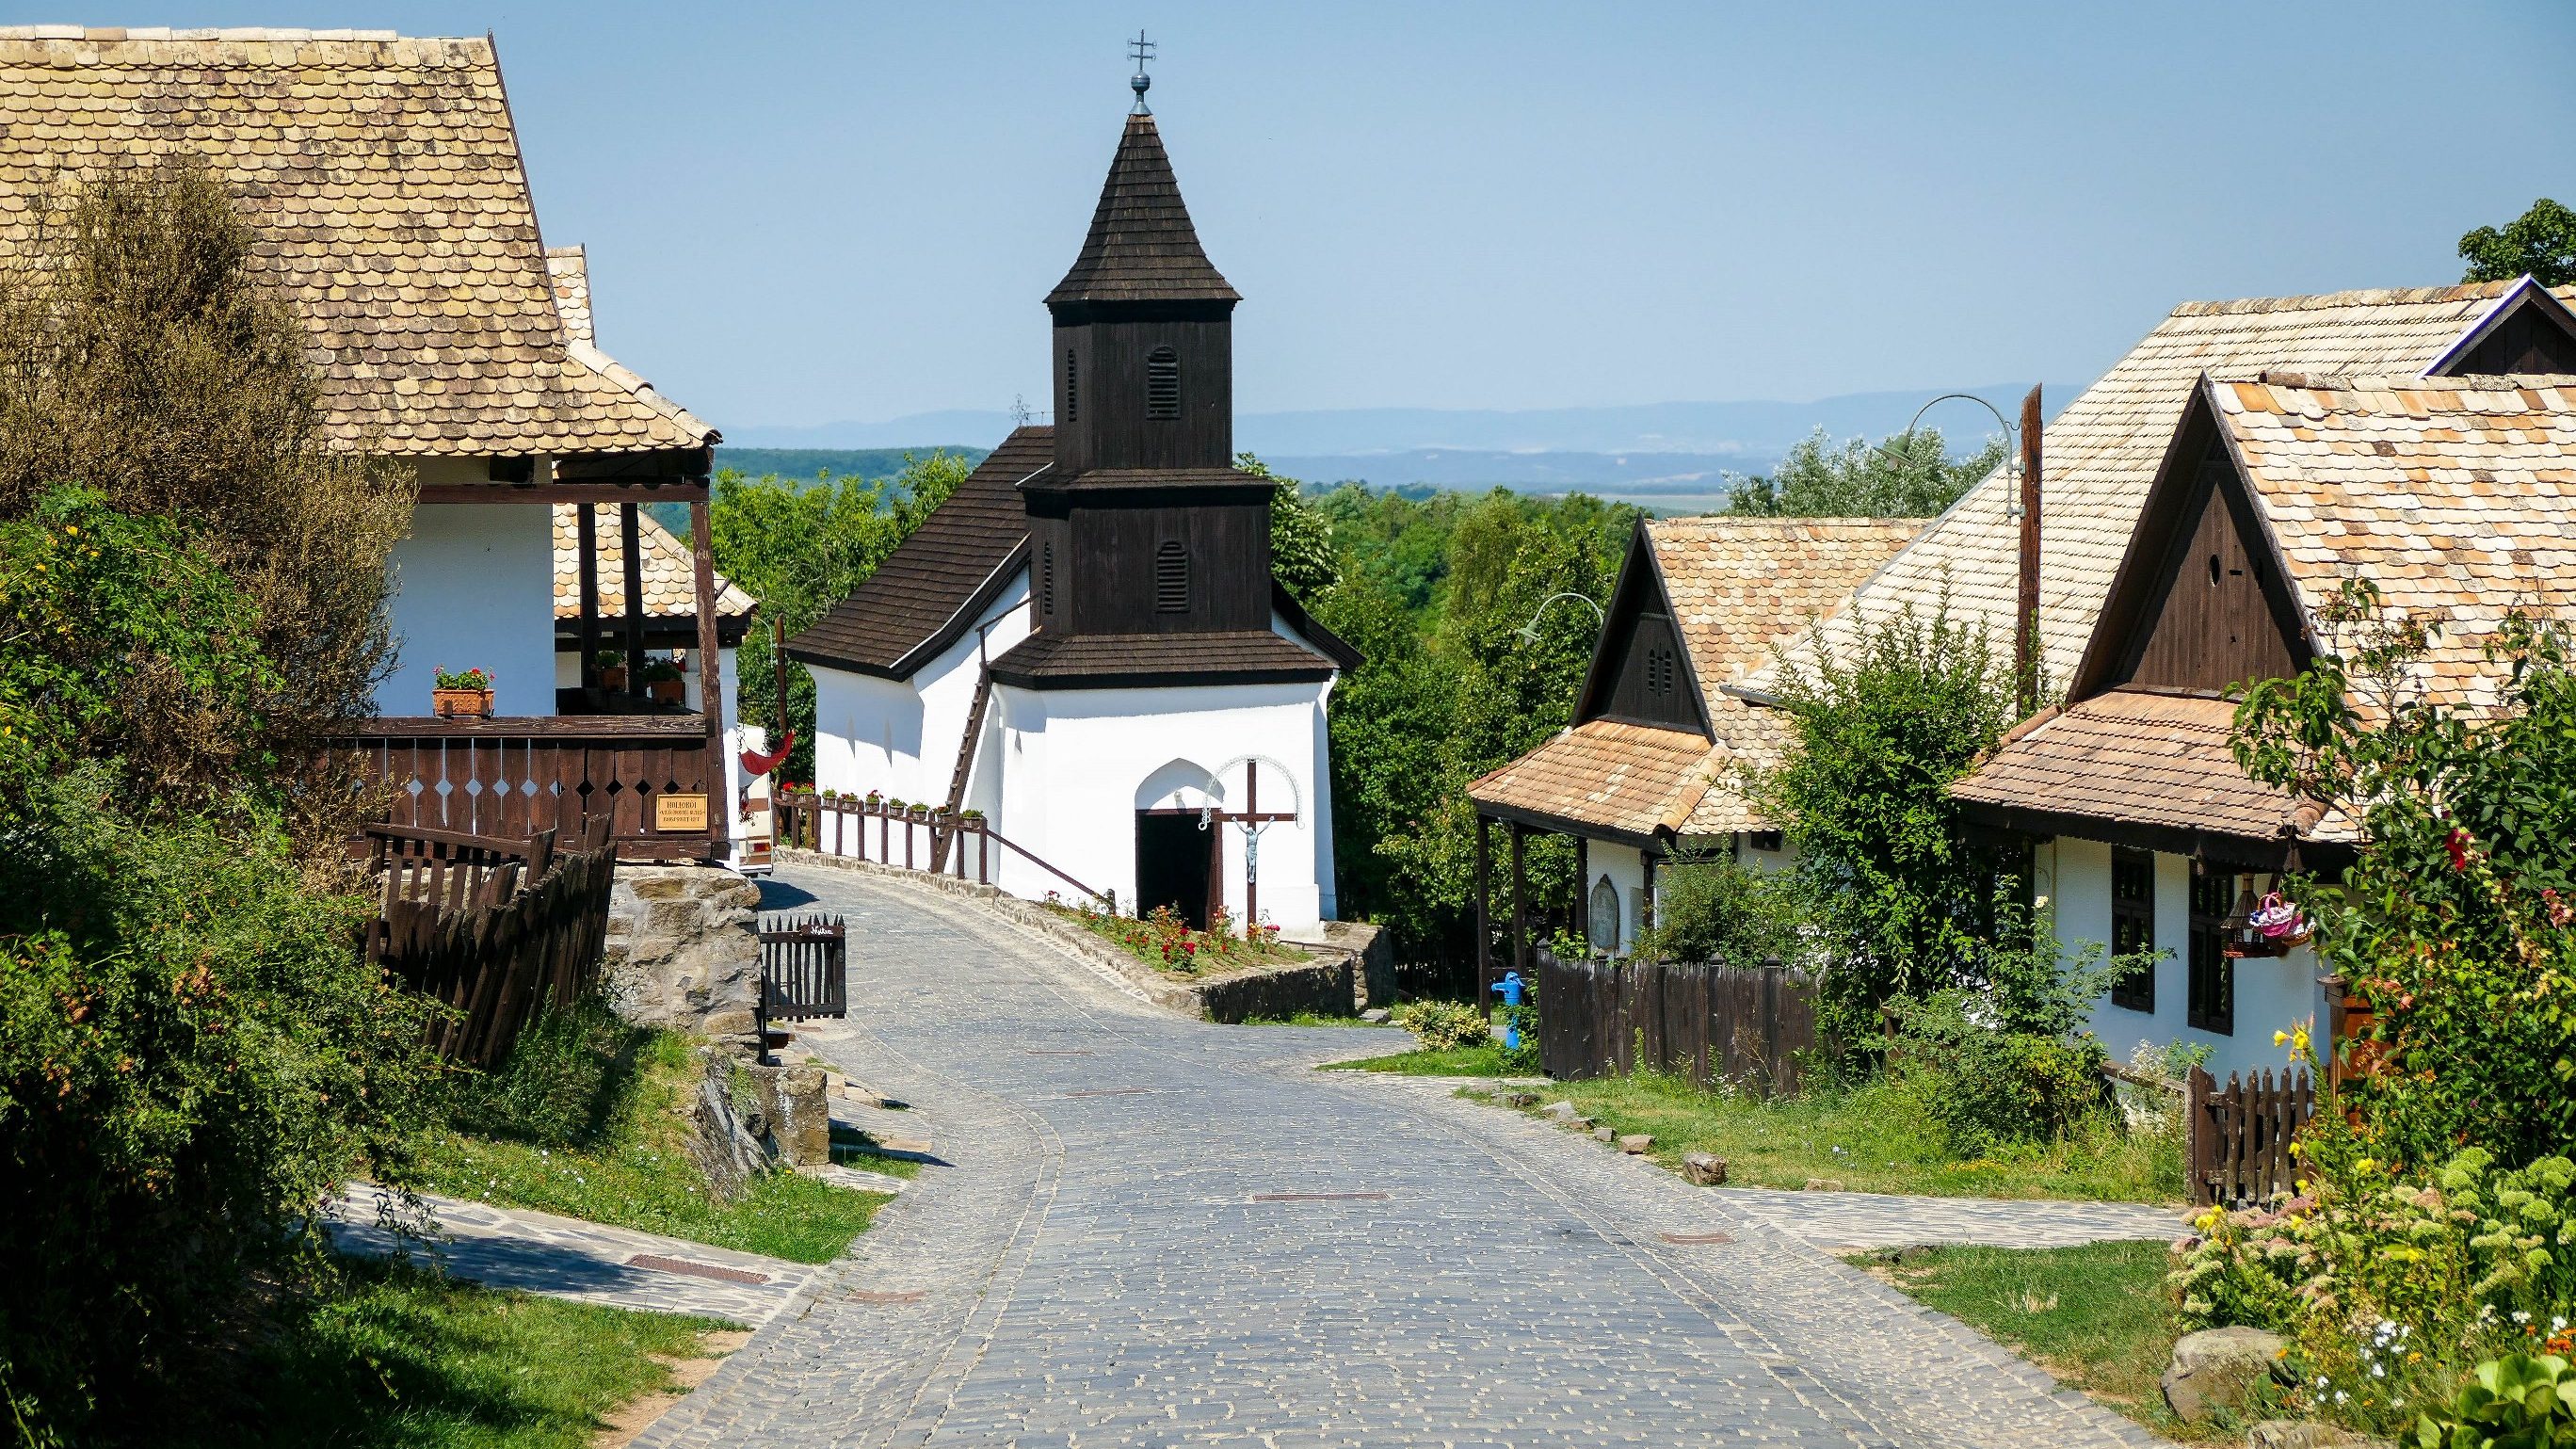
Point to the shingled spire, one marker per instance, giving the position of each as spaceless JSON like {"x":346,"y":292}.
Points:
{"x":1142,"y":247}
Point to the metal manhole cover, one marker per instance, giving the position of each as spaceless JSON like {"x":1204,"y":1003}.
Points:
{"x":1041,"y":1052}
{"x":661,"y":1264}
{"x":1319,"y":1197}
{"x":1113,"y":1092}
{"x":1687,"y":1239}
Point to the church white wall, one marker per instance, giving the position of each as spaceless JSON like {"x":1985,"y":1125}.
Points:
{"x":474,"y":585}
{"x":2272,"y":993}
{"x":900,"y":736}
{"x":1076,"y":765}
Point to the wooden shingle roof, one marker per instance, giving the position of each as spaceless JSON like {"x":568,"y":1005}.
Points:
{"x":383,"y":179}
{"x":1620,"y":780}
{"x":1127,"y":661}
{"x":2103,"y":451}
{"x":1141,"y":247}
{"x":918,"y":599}
{"x":670,"y":570}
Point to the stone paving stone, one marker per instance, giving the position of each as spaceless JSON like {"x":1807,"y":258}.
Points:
{"x":1104,"y":1266}
{"x":568,"y":1258}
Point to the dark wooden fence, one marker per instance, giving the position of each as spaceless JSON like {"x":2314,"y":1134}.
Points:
{"x":2240,"y":1135}
{"x":496,"y":928}
{"x":515,"y":777}
{"x":1737,"y":1026}
{"x":804,"y":968}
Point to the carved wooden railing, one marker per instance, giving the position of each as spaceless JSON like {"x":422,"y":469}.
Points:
{"x":935,"y":842}
{"x":516,"y":777}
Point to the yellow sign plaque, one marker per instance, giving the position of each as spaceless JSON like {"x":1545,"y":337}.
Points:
{"x":680,"y":814}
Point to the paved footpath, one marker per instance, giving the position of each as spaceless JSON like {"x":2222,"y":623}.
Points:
{"x":1160,"y":1232}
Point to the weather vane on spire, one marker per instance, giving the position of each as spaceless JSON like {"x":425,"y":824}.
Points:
{"x":1142,"y":50}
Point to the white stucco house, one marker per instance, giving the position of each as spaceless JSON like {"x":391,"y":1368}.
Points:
{"x":1085,"y":642}
{"x":383,"y":179}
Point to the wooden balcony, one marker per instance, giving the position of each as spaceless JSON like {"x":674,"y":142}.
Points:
{"x":519,"y":776}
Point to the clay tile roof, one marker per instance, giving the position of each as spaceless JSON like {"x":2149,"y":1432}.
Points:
{"x":670,"y":572}
{"x":2457,"y":497}
{"x":1737,"y":585}
{"x":1141,"y":247}
{"x":2103,"y":450}
{"x":383,"y":177}
{"x":1627,"y":780}
{"x":2135,"y":758}
{"x":568,"y":271}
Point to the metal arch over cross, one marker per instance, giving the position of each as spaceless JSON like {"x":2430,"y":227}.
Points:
{"x":1141,"y":51}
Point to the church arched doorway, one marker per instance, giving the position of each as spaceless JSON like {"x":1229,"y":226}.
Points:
{"x":1178,"y":847}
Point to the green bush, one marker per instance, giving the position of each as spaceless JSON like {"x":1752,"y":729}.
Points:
{"x":1989,"y":1086}
{"x":566,"y":1077}
{"x":1717,"y":910}
{"x":193,"y":1054}
{"x":1441,"y":1026}
{"x":2515,"y":1402}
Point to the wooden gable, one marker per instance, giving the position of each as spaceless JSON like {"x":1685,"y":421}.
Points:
{"x":2529,"y":334}
{"x":2200,"y":604}
{"x":1641,"y":674}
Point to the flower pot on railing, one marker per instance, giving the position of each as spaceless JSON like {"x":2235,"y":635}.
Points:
{"x":461,"y":694}
{"x":663,"y":683}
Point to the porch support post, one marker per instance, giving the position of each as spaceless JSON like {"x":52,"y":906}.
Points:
{"x":1582,"y":887}
{"x":634,"y":548}
{"x":710,"y":685}
{"x":586,"y":540}
{"x":1520,"y":901}
{"x":1646,"y":901}
{"x":1484,"y":901}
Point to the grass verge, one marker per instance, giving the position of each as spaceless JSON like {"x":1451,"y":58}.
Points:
{"x":1485,"y":1059}
{"x":2098,"y":1317}
{"x":1876,"y":1138}
{"x":587,"y":1120}
{"x":1317,"y":1018}
{"x":399,"y":1357}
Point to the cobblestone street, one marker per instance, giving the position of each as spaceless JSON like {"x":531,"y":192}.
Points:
{"x":1160,"y":1232}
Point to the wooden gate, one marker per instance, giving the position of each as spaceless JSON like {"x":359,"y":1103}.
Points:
{"x":2240,"y":1136}
{"x":804,"y":969}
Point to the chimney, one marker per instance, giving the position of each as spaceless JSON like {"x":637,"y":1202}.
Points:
{"x":2026,"y":615}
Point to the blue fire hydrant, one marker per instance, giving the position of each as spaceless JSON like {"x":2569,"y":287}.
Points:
{"x":1512,"y":988}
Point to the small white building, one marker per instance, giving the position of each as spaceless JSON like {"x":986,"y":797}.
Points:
{"x":1649,"y":767}
{"x":1085,"y":642}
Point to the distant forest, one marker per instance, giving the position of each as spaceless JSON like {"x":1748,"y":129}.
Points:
{"x":867,"y":463}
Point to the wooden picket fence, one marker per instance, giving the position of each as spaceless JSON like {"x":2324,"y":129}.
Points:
{"x":497,"y":929}
{"x":1743,"y":1026}
{"x":2240,"y":1135}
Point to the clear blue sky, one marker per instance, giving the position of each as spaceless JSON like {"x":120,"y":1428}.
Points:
{"x":803,"y":213}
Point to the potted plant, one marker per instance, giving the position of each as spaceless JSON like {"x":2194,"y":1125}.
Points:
{"x":662,"y":682}
{"x":611,"y":664}
{"x":461,"y":694}
{"x":876,"y":798}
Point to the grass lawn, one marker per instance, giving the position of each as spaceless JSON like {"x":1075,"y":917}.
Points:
{"x":1485,"y":1059}
{"x":1314,"y":1018}
{"x":2097,"y":1317}
{"x":1870,"y":1139}
{"x":586,"y":1121}
{"x":400,"y":1358}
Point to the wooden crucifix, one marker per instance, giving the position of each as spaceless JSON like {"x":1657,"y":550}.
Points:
{"x":1252,"y":819}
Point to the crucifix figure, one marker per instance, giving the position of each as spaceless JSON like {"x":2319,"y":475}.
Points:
{"x":1142,"y":50}
{"x":1253,"y":820}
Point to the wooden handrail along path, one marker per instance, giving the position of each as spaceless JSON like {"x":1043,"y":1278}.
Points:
{"x":840,"y":827}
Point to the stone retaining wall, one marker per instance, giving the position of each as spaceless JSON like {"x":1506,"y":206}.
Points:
{"x":1323,"y":986}
{"x":684,"y":951}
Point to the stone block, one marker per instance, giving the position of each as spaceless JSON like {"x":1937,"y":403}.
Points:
{"x":1702,"y":1169}
{"x":1636,"y":1143}
{"x":2308,"y":1434}
{"x":1824,"y":1184}
{"x":1561,"y":1111}
{"x":799,"y":1113}
{"x":2217,"y":1368}
{"x":684,"y":951}
{"x":1375,"y":1016}
{"x":1602,"y":1133}
{"x":1520,"y":1099}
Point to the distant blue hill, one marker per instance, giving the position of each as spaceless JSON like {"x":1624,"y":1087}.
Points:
{"x":1756,"y":432}
{"x":839,"y":462}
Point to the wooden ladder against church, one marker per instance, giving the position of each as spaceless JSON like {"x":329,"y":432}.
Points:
{"x":941,"y":840}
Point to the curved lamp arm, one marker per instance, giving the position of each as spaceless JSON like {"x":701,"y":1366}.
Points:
{"x":1529,"y":630}
{"x":2012,"y":457}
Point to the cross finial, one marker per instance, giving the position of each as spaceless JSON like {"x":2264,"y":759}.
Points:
{"x":1141,"y":50}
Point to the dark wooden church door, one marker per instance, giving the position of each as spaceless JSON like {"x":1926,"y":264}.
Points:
{"x":1175,"y":864}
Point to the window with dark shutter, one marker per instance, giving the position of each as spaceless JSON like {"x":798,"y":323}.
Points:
{"x":1046,"y":579}
{"x":1162,"y":384}
{"x":1171,"y":578}
{"x":1661,"y":670}
{"x":1072,"y":389}
{"x":2210,"y":1003}
{"x":2133,"y":928}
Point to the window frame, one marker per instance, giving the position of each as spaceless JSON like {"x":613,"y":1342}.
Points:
{"x":2210,"y":1000}
{"x":2133,"y":926}
{"x":1163,"y":385}
{"x":1171,"y":577}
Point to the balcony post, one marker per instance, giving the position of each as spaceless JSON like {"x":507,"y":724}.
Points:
{"x":634,"y":560}
{"x":720,"y":805}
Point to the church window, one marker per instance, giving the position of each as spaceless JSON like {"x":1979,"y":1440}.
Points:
{"x":1162,"y":384}
{"x":1072,"y":388}
{"x":1171,"y":578}
{"x":1046,"y":578}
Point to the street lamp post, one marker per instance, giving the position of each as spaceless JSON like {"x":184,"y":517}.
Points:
{"x":1529,"y":630}
{"x":2021,"y":471}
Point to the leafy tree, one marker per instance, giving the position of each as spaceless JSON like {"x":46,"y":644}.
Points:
{"x":800,"y":547}
{"x":2541,"y":241}
{"x":1713,"y":909}
{"x":1899,"y":891}
{"x":1301,"y":538}
{"x":141,"y":355}
{"x":1908,"y":476}
{"x":2454,"y":922}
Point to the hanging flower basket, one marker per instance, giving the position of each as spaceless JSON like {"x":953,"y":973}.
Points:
{"x":461,"y":694}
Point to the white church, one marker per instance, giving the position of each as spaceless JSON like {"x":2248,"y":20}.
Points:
{"x":1085,"y":642}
